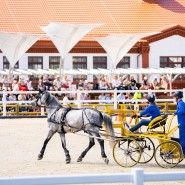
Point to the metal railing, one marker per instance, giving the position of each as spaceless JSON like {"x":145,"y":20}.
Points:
{"x":79,"y":103}
{"x":136,"y":177}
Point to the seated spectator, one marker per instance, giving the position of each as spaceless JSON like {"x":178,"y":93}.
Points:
{"x":145,"y":85}
{"x":48,"y":82}
{"x":57,"y":84}
{"x":155,"y":84}
{"x":126,"y":83}
{"x":65,"y":82}
{"x":29,"y":84}
{"x":83,"y":96}
{"x":81,"y":85}
{"x":103,"y":84}
{"x":5,"y":81}
{"x":115,"y":82}
{"x":40,"y":82}
{"x":133,"y":83}
{"x":164,"y":83}
{"x":121,"y":97}
{"x":101,"y":97}
{"x":66,"y":100}
{"x":12,"y":97}
{"x":108,"y":97}
{"x":22,"y":85}
{"x":85,"y":85}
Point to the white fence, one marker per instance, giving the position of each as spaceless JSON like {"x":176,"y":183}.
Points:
{"x":136,"y":177}
{"x":78,"y":93}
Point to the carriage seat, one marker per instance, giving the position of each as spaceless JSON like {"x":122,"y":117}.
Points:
{"x":159,"y":121}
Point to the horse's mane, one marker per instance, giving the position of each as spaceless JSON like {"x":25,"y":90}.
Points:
{"x":54,"y":99}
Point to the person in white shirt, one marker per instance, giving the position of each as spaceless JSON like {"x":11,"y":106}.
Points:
{"x":29,"y":84}
{"x":115,"y":82}
{"x":66,"y":100}
{"x":57,"y":83}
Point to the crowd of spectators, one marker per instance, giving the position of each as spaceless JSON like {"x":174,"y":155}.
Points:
{"x":55,"y":84}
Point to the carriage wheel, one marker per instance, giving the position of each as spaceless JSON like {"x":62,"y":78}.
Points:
{"x":127,"y":152}
{"x":147,"y":149}
{"x":168,"y":154}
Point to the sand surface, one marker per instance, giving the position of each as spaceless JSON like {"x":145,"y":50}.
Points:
{"x":22,"y":139}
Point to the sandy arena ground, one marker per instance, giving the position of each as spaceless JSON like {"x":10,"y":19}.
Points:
{"x":22,"y":139}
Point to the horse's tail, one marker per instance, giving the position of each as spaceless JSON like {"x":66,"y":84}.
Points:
{"x":109,"y":128}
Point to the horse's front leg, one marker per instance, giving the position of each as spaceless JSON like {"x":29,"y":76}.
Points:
{"x":101,"y":142}
{"x":91,"y":144}
{"x":63,"y":141}
{"x":50,"y":134}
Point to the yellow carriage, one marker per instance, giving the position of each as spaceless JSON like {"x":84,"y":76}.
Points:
{"x":132,"y":148}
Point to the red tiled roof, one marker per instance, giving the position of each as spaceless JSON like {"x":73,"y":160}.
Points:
{"x":119,"y":16}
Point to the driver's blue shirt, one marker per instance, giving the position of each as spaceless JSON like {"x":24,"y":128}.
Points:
{"x":152,"y":110}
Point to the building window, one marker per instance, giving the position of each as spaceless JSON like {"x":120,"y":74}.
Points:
{"x":124,"y":63}
{"x":54,"y":62}
{"x":172,"y":62}
{"x":6,"y":64}
{"x":79,"y":63}
{"x":99,"y":62}
{"x":35,"y":62}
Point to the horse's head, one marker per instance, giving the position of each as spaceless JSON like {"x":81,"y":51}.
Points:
{"x":43,"y":97}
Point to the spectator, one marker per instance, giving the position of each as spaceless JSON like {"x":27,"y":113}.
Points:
{"x":57,"y":83}
{"x":115,"y":82}
{"x":103,"y":84}
{"x":81,"y":85}
{"x":145,"y":84}
{"x":22,"y":85}
{"x":164,"y":82}
{"x":65,"y":82}
{"x":29,"y":84}
{"x":5,"y":81}
{"x":108,"y":97}
{"x":133,"y":83}
{"x":66,"y":100}
{"x":121,"y":98}
{"x":47,"y":81}
{"x":155,"y":84}
{"x":40,"y":83}
{"x":101,"y":97}
{"x":126,"y":83}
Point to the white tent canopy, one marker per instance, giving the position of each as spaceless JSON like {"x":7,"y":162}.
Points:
{"x":14,"y":45}
{"x":65,"y":36}
{"x":117,"y":46}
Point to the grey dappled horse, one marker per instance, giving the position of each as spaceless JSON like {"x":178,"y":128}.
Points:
{"x":87,"y":119}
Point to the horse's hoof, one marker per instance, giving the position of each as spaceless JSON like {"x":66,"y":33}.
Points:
{"x":79,"y":159}
{"x":106,"y":160}
{"x":68,"y":160}
{"x":40,"y":157}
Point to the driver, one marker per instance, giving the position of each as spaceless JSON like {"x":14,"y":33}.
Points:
{"x":180,"y":112}
{"x":151,"y":111}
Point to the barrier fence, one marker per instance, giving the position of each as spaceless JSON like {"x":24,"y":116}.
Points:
{"x":136,"y":177}
{"x":95,"y":103}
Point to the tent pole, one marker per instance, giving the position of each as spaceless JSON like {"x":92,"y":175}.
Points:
{"x":61,"y":68}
